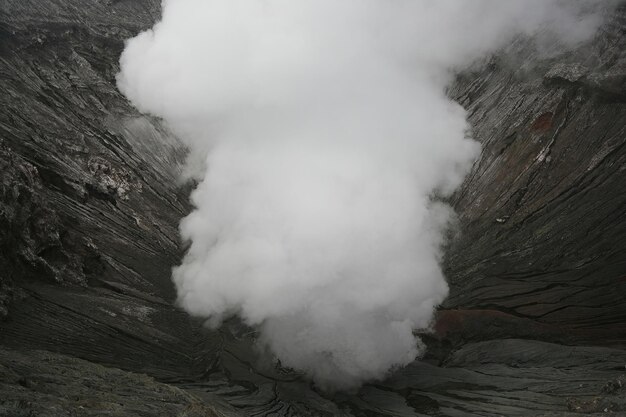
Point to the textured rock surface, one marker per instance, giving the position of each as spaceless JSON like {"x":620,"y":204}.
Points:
{"x":542,"y":213}
{"x":89,"y":206}
{"x":42,"y":383}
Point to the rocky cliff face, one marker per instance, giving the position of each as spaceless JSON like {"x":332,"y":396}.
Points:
{"x":542,"y":212}
{"x":90,"y":202}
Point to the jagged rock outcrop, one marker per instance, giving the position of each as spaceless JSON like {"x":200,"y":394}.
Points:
{"x":90,"y":201}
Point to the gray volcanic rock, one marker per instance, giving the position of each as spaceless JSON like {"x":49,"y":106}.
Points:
{"x":542,"y":233}
{"x":43,"y":383}
{"x":90,"y":201}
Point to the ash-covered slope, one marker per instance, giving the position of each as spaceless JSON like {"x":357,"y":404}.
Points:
{"x":89,"y":198}
{"x":542,"y":214}
{"x":90,"y":203}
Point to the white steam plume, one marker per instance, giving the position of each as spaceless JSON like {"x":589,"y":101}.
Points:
{"x":324,"y":131}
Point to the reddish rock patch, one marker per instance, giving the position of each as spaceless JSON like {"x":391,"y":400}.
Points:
{"x":474,"y":325}
{"x":543,"y":123}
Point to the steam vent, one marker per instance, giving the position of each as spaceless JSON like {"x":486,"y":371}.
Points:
{"x":312,"y":208}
